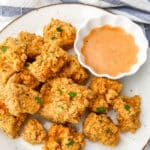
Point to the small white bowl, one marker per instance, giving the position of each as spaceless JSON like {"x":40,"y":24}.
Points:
{"x":116,"y":21}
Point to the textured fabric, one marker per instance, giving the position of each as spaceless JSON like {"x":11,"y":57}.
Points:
{"x":137,"y":10}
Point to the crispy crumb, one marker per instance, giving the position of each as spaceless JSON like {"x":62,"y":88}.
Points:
{"x":74,"y":71}
{"x":50,"y":62}
{"x":107,"y":87}
{"x":34,"y":132}
{"x":128,"y":111}
{"x":101,"y":128}
{"x":64,"y":138}
{"x":60,"y":33}
{"x":64,"y":101}
{"x":8,"y":123}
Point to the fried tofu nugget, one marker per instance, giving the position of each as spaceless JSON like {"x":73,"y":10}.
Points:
{"x":64,"y":101}
{"x":101,"y":128}
{"x":5,"y":72}
{"x":13,"y":53}
{"x":64,"y":138}
{"x":33,"y":42}
{"x":34,"y":132}
{"x":8,"y":123}
{"x":98,"y":104}
{"x":24,"y":77}
{"x":46,"y":65}
{"x":60,"y":33}
{"x":128,"y":111}
{"x":107,"y":87}
{"x":75,"y":71}
{"x":21,"y":99}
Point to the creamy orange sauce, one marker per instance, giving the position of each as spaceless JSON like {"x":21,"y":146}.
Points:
{"x":109,"y":50}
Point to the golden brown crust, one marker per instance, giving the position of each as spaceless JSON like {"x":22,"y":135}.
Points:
{"x":21,"y":99}
{"x":101,"y":128}
{"x":6,"y":71}
{"x":33,"y":43}
{"x":74,"y":71}
{"x":13,"y":53}
{"x":59,"y":32}
{"x":8,"y":123}
{"x":12,"y":58}
{"x":34,"y":132}
{"x":107,"y":87}
{"x":46,"y":65}
{"x":98,"y":104}
{"x":64,"y":101}
{"x":128,"y":111}
{"x":24,"y":77}
{"x":64,"y":138}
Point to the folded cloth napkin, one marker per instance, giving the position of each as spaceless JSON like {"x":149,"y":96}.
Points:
{"x":137,"y":10}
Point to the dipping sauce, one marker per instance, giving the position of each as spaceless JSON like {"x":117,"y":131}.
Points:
{"x":109,"y":50}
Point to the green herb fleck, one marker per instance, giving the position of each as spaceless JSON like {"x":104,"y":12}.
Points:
{"x":72,"y":94}
{"x":60,"y":91}
{"x":59,"y":29}
{"x":27,"y":64}
{"x":100,"y":109}
{"x":61,"y":107}
{"x":3,"y":49}
{"x":41,"y":62}
{"x":38,"y":100}
{"x":127,"y":107}
{"x":108,"y":130}
{"x":70,"y":142}
{"x":53,"y":38}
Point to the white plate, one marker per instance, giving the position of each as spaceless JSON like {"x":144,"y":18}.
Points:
{"x":137,"y":84}
{"x":116,"y":21}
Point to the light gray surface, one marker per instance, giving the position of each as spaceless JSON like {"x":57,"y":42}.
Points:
{"x":31,"y":3}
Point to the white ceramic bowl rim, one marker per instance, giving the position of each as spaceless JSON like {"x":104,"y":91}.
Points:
{"x":117,"y":21}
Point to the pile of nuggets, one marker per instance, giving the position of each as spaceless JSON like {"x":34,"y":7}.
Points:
{"x":39,"y":76}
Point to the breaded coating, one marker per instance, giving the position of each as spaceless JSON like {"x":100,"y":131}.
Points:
{"x":75,"y":71}
{"x":8,"y":123}
{"x":12,"y":58}
{"x":99,"y":104}
{"x":64,"y":138}
{"x":34,"y":132}
{"x":5,"y":72}
{"x":107,"y":87}
{"x":24,"y":77}
{"x":21,"y":99}
{"x":33,"y":43}
{"x":46,"y":65}
{"x":60,"y":33}
{"x":64,"y":101}
{"x":101,"y":128}
{"x":13,"y":53}
{"x":128,"y":111}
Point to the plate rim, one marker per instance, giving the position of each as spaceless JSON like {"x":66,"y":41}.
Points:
{"x":58,"y":4}
{"x":50,"y":5}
